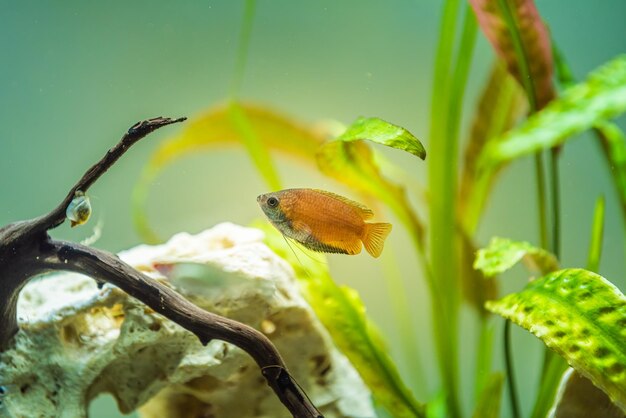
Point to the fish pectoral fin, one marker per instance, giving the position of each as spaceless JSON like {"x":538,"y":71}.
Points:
{"x":374,"y":237}
{"x":302,"y":230}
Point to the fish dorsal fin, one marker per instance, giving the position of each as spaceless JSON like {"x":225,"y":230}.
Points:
{"x":364,"y":211}
{"x":374,"y":237}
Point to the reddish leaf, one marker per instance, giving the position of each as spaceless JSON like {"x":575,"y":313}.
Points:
{"x":521,"y":39}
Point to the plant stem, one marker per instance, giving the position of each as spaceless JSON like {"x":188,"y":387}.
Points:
{"x":483,"y":357}
{"x":556,"y":202}
{"x":257,"y":151}
{"x":597,"y":230}
{"x":510,"y":374}
{"x":541,"y":200}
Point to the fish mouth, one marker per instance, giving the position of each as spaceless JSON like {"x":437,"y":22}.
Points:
{"x":261,"y":199}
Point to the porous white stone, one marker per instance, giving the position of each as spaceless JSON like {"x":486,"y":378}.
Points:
{"x":77,"y":341}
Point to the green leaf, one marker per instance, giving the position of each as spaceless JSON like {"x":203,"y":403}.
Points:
{"x":385,"y":133}
{"x":489,"y":403}
{"x":581,"y":316}
{"x":342,"y":312}
{"x":520,"y":38}
{"x":258,"y":128}
{"x":601,"y":97}
{"x":501,"y":254}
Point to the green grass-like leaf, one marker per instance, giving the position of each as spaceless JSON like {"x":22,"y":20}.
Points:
{"x":501,"y":254}
{"x":385,"y":133}
{"x":601,"y":97}
{"x":342,"y":312}
{"x":581,"y":316}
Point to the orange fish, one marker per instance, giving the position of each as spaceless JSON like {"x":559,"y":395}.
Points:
{"x":323,"y":221}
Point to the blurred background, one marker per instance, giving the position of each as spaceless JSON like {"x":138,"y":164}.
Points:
{"x":75,"y":75}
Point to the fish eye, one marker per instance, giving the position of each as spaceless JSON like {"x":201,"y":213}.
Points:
{"x":272,"y":202}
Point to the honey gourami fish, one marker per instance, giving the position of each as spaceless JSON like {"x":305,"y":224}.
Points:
{"x":323,"y":221}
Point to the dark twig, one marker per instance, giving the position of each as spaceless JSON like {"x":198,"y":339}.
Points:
{"x":134,"y":134}
{"x":26,"y":250}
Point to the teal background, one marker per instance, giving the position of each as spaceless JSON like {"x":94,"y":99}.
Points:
{"x":75,"y":75}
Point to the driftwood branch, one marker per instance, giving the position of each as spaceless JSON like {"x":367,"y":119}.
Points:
{"x":26,"y":250}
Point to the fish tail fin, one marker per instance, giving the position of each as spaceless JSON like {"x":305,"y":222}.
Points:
{"x":374,"y":237}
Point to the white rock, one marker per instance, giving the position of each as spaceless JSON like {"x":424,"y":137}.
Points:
{"x":77,"y":341}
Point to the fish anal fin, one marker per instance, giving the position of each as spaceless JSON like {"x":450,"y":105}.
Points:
{"x":374,"y":237}
{"x":350,"y":248}
{"x":364,"y":211}
{"x":336,"y":247}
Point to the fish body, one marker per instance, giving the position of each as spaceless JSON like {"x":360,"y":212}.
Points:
{"x":323,"y":221}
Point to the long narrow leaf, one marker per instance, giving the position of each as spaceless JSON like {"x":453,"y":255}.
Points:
{"x":448,"y":81}
{"x":601,"y":97}
{"x":581,"y":316}
{"x":520,"y":38}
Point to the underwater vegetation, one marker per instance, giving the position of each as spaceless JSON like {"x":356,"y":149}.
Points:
{"x":530,"y":107}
